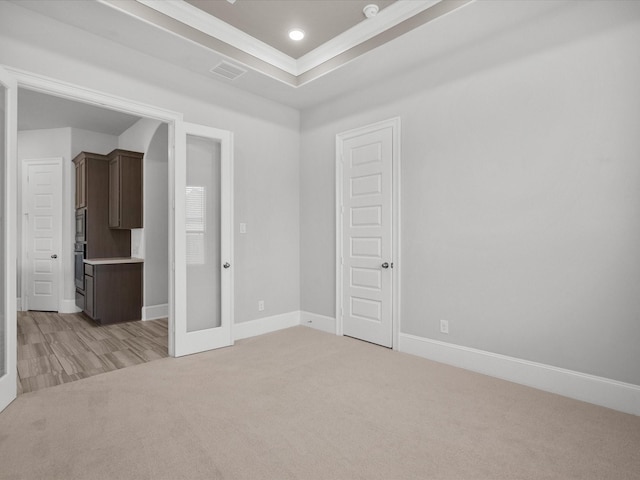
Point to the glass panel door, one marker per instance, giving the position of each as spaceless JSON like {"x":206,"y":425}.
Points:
{"x":203,"y":240}
{"x":8,"y":138}
{"x":203,"y":234}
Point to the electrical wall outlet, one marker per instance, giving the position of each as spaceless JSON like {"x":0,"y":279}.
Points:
{"x":444,"y":326}
{"x":260,"y":305}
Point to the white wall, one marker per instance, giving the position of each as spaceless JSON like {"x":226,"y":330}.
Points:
{"x":266,"y":137}
{"x":520,"y":190}
{"x":88,"y":141}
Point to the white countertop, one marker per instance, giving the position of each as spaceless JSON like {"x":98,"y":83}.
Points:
{"x":109,"y":261}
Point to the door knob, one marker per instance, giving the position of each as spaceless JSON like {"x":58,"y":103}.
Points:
{"x":226,"y":265}
{"x":385,"y":265}
{"x":54,"y":256}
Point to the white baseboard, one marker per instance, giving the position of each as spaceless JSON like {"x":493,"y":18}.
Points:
{"x":265,"y":325}
{"x":19,"y":304}
{"x":67,"y":306}
{"x":152,"y":312}
{"x":319,"y":322}
{"x":621,"y":396}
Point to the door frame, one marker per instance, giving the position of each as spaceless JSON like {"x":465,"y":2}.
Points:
{"x":24,"y":169}
{"x":8,"y":381}
{"x":174,"y":120}
{"x":394,"y":123}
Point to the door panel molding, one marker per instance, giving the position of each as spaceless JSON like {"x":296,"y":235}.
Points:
{"x":367,"y":215}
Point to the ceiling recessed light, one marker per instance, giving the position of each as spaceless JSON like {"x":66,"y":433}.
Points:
{"x":296,"y":34}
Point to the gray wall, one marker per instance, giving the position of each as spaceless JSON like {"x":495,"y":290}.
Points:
{"x":520,"y":191}
{"x":156,"y":219}
{"x":152,"y":242}
{"x":266,"y":137}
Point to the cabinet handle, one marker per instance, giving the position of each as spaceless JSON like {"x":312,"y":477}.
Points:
{"x":385,"y":265}
{"x":54,"y":256}
{"x":226,"y":265}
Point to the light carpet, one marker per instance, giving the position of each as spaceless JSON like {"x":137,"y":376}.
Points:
{"x":303,"y":404}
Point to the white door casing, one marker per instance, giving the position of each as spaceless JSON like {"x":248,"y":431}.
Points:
{"x":8,"y":194}
{"x":42,"y":234}
{"x":367,"y":198}
{"x":192,"y":335}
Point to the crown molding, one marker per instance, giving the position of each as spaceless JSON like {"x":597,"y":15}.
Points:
{"x":214,"y":27}
{"x":388,"y":17}
{"x":193,"y":17}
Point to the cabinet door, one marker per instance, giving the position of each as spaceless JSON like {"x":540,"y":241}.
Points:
{"x":81,"y":184}
{"x":89,"y":297}
{"x":114,"y":193}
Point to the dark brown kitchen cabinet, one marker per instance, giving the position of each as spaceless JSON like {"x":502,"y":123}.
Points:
{"x":113,"y":292}
{"x":125,"y":189}
{"x":92,"y":218}
{"x":81,"y":183}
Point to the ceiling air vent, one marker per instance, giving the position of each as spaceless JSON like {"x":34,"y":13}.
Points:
{"x":228,"y":70}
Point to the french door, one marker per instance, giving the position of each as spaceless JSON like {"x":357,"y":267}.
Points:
{"x":8,"y":140}
{"x":203,"y":241}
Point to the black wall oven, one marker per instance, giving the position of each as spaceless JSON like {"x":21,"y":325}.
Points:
{"x":79,"y":256}
{"x":81,"y":225}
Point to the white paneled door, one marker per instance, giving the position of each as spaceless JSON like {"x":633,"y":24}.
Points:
{"x":8,"y":335}
{"x":366,"y":253}
{"x":42,"y":209}
{"x":203,"y":240}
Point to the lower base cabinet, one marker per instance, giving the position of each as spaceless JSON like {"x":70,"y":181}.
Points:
{"x":113,"y":292}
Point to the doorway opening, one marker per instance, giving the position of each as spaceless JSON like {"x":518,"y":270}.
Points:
{"x":58,"y":342}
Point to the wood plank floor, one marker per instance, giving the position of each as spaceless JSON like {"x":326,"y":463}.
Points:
{"x":58,"y":348}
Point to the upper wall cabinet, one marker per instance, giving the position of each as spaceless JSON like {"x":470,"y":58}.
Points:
{"x":81,"y":181}
{"x":125,"y":189}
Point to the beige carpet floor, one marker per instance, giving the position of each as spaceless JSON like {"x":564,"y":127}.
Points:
{"x":302,"y":404}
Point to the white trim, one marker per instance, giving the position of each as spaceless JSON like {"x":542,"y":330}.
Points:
{"x":8,"y":380}
{"x":395,"y":124}
{"x":24,"y":263}
{"x":68,"y":306}
{"x":264,"y":325}
{"x":621,"y":396}
{"x":318,"y":322}
{"x":153,"y":312}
